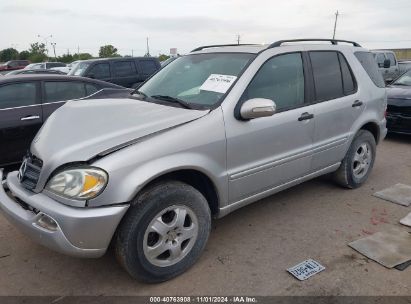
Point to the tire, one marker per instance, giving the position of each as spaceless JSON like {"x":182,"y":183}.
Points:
{"x":148,"y":239}
{"x":355,"y":168}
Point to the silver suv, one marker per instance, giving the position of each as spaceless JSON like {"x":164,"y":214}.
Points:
{"x":213,"y":131}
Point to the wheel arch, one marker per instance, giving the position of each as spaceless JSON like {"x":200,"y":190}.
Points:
{"x":373,"y":128}
{"x":193,"y":177}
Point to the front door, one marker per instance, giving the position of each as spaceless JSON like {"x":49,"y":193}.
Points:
{"x":20,"y":119}
{"x":263,"y":153}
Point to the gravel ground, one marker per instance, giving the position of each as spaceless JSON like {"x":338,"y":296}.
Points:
{"x":249,"y":250}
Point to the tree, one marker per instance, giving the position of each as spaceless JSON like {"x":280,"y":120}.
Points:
{"x":163,"y":57}
{"x":108,"y":51}
{"x":24,"y":55}
{"x":82,"y":56}
{"x":38,"y":52}
{"x":8,"y":54}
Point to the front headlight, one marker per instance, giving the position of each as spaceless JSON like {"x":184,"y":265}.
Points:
{"x":79,"y":184}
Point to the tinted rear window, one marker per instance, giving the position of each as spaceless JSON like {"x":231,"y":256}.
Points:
{"x":327,"y":75}
{"x":63,"y":90}
{"x":370,"y":66}
{"x":148,"y":66}
{"x":124,"y":68}
{"x":348,"y":78}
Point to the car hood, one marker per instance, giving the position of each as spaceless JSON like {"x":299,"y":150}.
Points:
{"x":82,"y":129}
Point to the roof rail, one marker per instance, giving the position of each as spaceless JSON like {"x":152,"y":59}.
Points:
{"x":333,"y":41}
{"x":217,"y":45}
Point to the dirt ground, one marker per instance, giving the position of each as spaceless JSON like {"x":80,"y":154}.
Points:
{"x":248,"y":251}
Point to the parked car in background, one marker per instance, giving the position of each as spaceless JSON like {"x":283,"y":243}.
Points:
{"x":66,"y":69}
{"x":404,"y":66}
{"x":36,"y":71}
{"x":44,"y":65}
{"x":27,"y":100}
{"x":14,"y":65}
{"x":214,"y":131}
{"x":387,"y":64}
{"x":127,"y":72}
{"x":399,"y":105}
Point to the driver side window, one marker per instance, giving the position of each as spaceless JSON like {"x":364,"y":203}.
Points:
{"x":280,"y":79}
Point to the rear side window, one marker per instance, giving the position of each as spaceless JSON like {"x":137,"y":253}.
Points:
{"x":148,"y":66}
{"x":100,"y":71}
{"x":368,"y":63}
{"x":124,"y":68}
{"x":391,"y":57}
{"x":63,"y":90}
{"x":349,"y":84}
{"x":17,"y":95}
{"x":327,"y":75}
{"x":90,"y":89}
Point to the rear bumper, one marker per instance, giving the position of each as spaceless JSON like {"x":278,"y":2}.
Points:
{"x":80,"y":232}
{"x":383,"y":130}
{"x":398,"y":123}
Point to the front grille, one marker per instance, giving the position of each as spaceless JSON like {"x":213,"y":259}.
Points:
{"x":29,"y":172}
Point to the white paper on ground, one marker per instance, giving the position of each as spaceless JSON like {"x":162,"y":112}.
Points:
{"x":306,"y":269}
{"x":218,"y":83}
{"x":406,"y":220}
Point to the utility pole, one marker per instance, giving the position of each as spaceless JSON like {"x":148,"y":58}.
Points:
{"x":238,"y":39}
{"x":335,"y":23}
{"x":53,"y":44}
{"x":78,"y":51}
{"x":132,"y":53}
{"x":46,"y":38}
{"x":148,"y":49}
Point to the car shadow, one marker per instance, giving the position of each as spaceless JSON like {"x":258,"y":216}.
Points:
{"x":399,"y":138}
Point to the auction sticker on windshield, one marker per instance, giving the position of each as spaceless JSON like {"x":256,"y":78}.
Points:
{"x":218,"y":83}
{"x":306,"y":269}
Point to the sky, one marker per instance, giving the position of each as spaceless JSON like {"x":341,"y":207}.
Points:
{"x":86,"y":25}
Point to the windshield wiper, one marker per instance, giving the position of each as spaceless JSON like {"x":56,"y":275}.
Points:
{"x":173,"y":99}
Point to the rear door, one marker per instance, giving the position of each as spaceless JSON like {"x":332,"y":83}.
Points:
{"x":124,"y":73}
{"x":56,"y":93}
{"x":337,"y":106}
{"x":20,"y":119}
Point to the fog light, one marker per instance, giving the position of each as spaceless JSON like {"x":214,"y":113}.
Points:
{"x":47,"y":222}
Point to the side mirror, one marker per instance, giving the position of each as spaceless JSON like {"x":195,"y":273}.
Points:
{"x":257,"y":107}
{"x":387,"y":63}
{"x":91,"y":75}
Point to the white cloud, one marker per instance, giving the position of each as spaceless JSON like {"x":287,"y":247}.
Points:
{"x":186,"y":24}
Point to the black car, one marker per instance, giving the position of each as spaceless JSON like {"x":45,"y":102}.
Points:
{"x":37,"y":71}
{"x":399,"y":104}
{"x":27,"y":100}
{"x":128,"y":72}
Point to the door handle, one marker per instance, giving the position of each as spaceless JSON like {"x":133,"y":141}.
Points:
{"x":305,"y":116}
{"x":33,"y":117}
{"x":357,"y":103}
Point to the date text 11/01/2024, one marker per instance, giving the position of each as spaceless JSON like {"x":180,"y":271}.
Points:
{"x":204,"y":299}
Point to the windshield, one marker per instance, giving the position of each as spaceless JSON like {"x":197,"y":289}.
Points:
{"x":197,"y":79}
{"x":405,"y":79}
{"x":78,"y":68}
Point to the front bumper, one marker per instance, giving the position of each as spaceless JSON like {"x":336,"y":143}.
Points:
{"x":81,"y":232}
